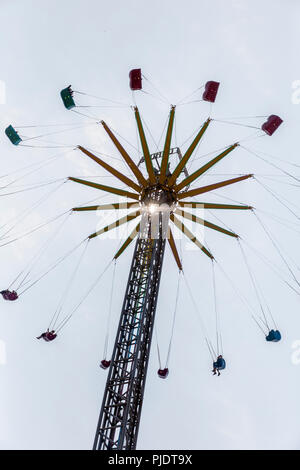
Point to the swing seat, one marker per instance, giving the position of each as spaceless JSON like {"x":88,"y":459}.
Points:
{"x":274,"y":336}
{"x":272,"y":124}
{"x":210,"y":92}
{"x":219,"y":364}
{"x":13,"y":135}
{"x":163,"y":373}
{"x":67,"y":97}
{"x":135,"y":79}
{"x":104,"y":364}
{"x":49,"y":336}
{"x":9,"y":295}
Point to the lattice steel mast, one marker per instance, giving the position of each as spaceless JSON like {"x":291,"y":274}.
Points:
{"x":123,"y":397}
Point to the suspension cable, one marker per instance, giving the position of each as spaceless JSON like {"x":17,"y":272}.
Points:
{"x":253,"y":283}
{"x":277,"y":248}
{"x":240,"y":295}
{"x":40,"y":185}
{"x":208,"y":342}
{"x":52,"y":266}
{"x":31,"y":209}
{"x":236,"y":124}
{"x":67,"y":289}
{"x":174,"y":319}
{"x":127,"y":141}
{"x":190,"y":137}
{"x":211,"y":350}
{"x":41,"y":165}
{"x":220,"y":220}
{"x":38,"y":256}
{"x":108,"y":320}
{"x":34,"y":229}
{"x":150,"y":133}
{"x":279,"y":159}
{"x":271,"y":265}
{"x":267,"y":306}
{"x":156,"y":89}
{"x":278,"y":199}
{"x":217,"y":315}
{"x":191,"y":102}
{"x":189,"y":95}
{"x":32,"y":165}
{"x":100,"y":98}
{"x":58,"y":146}
{"x":68,"y":317}
{"x":85,"y":115}
{"x":284,"y":222}
{"x":270,"y":163}
{"x":44,"y":125}
{"x":101,"y":106}
{"x":273,"y":179}
{"x":243,"y":117}
{"x":157,"y":348}
{"x":153,"y":96}
{"x":56,"y":132}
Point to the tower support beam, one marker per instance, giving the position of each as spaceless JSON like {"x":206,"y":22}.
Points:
{"x":120,"y":413}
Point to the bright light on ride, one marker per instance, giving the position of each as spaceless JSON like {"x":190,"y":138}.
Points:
{"x":153,"y":208}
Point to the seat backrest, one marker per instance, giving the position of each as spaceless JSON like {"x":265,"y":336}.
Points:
{"x":135,"y":79}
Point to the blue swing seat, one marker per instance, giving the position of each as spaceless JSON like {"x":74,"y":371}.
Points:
{"x":67,"y":97}
{"x":220,"y":363}
{"x":274,"y":336}
{"x":13,"y":135}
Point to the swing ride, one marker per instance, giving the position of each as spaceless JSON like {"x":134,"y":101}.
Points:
{"x":159,"y":200}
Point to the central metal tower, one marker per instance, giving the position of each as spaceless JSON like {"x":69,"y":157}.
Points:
{"x":123,"y":397}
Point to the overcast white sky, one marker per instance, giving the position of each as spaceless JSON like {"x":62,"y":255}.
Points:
{"x":50,"y":394}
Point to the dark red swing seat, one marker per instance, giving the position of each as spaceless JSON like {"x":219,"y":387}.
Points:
{"x":163,"y":373}
{"x":210,"y":92}
{"x":272,"y":124}
{"x":48,"y":336}
{"x":135,"y":79}
{"x":9,"y":294}
{"x":104,"y":364}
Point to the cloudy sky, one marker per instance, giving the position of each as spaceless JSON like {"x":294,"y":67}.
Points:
{"x":50,"y":394}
